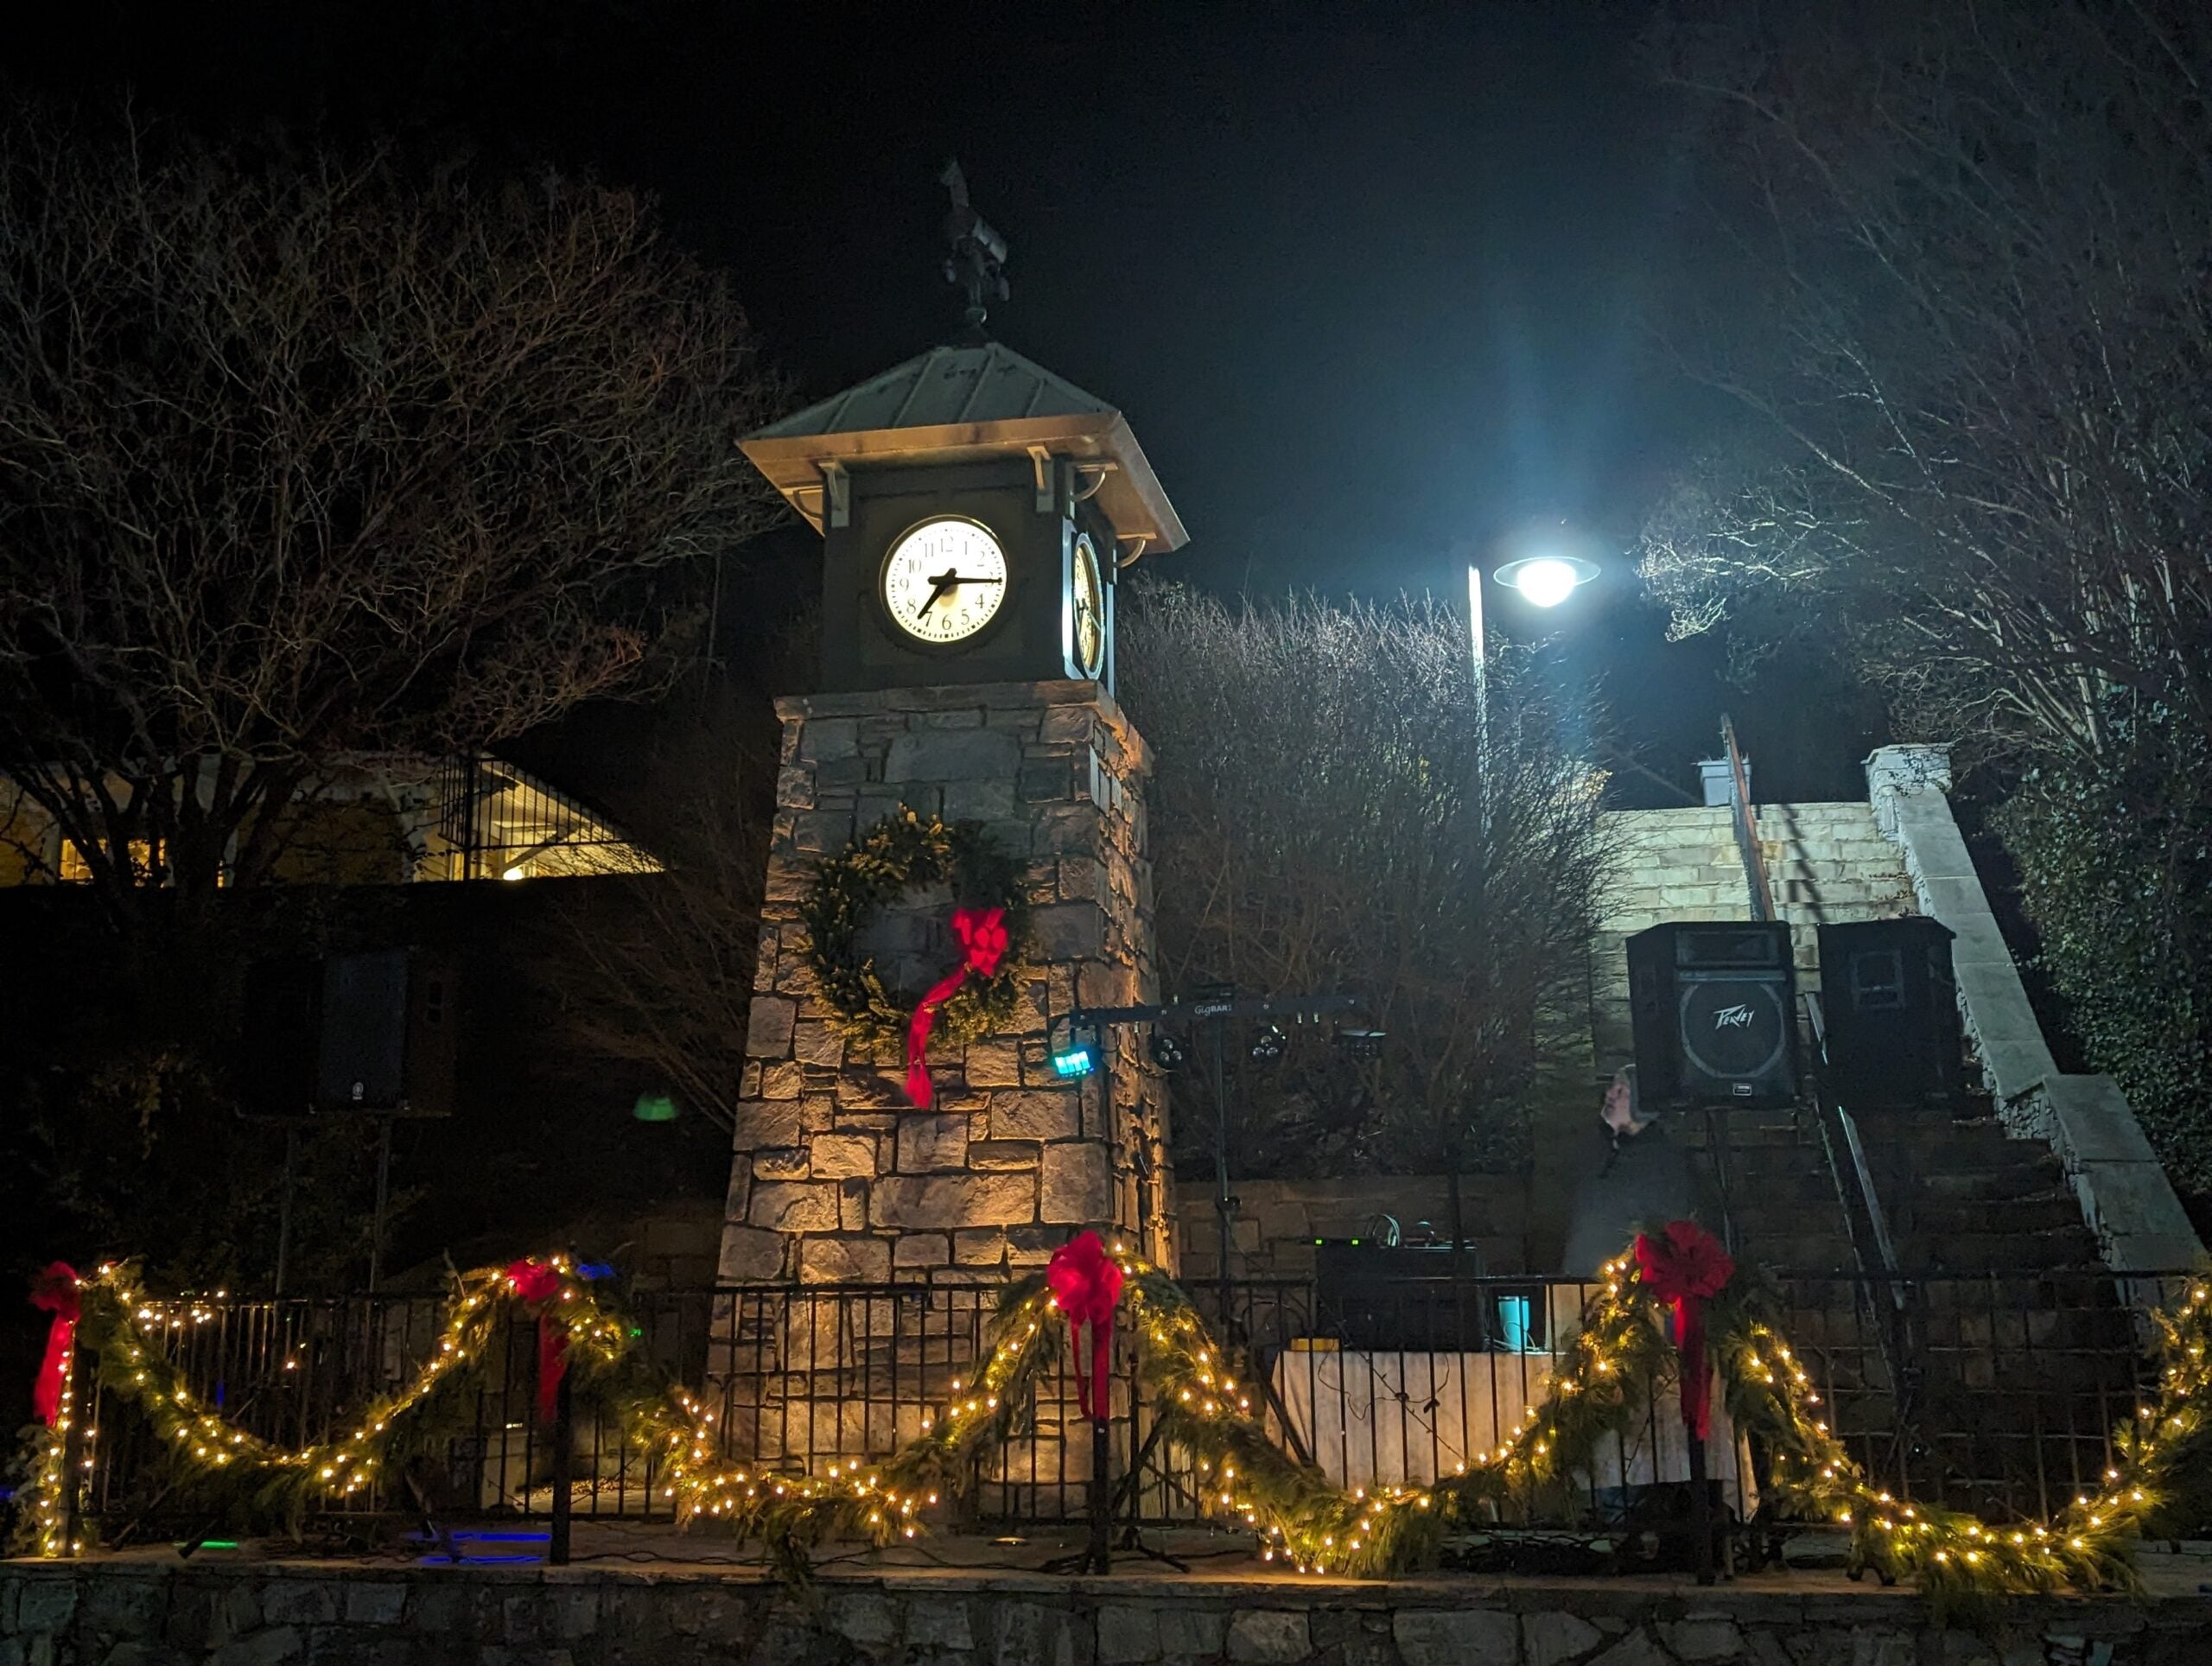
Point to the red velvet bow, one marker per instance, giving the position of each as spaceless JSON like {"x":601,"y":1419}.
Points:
{"x":538,"y":1283}
{"x":55,"y":1291}
{"x":1086,"y":1283}
{"x":982,"y":932}
{"x":1685,"y":1267}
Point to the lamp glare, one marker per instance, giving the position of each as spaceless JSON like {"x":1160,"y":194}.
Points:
{"x":1545,"y":581}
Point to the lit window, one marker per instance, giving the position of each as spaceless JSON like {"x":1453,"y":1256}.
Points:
{"x":75,"y":870}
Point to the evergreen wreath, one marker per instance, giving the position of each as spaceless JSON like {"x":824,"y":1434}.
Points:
{"x":903,"y":850}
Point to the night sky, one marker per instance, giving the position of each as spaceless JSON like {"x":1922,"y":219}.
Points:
{"x":1374,"y":284}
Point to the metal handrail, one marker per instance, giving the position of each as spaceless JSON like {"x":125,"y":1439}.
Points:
{"x":1747,"y":835}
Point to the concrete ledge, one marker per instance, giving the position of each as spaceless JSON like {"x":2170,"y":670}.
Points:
{"x":2125,"y":1195}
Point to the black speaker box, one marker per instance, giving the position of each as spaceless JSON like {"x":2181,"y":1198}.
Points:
{"x":1715,"y":1011}
{"x":375,"y":1032}
{"x":1891,"y":1007}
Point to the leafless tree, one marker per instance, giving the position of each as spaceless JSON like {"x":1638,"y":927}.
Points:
{"x":1340,"y":808}
{"x":1963,"y":286}
{"x":657,"y":971}
{"x":305,"y":455}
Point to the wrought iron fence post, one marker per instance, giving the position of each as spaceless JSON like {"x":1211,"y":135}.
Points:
{"x":564,"y":1443}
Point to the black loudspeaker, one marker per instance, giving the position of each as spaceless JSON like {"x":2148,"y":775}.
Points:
{"x":375,"y":1032}
{"x":1715,"y":1011}
{"x":1891,"y":1007}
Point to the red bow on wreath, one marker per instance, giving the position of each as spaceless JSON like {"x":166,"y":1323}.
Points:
{"x":1686,"y":1267}
{"x":55,"y":1291}
{"x":1086,"y":1283}
{"x":538,"y":1284}
{"x":982,"y":932}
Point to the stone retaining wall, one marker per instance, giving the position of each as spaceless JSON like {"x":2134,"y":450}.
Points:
{"x":138,"y":1614}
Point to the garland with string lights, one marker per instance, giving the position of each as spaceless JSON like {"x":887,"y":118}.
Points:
{"x":1604,"y":1372}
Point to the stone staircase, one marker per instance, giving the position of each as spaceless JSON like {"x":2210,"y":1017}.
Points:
{"x":2003,"y":1343}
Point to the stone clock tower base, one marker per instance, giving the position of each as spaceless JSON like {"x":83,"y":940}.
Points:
{"x":835,"y":1177}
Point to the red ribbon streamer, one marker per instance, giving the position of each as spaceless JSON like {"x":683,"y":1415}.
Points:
{"x":55,"y":1291}
{"x":982,"y":932}
{"x":1086,"y":1282}
{"x":538,"y":1282}
{"x":1686,"y":1267}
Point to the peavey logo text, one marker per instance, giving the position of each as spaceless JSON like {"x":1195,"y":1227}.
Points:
{"x":1733,"y":1018}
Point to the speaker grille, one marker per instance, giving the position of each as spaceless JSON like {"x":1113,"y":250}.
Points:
{"x":1732,"y":1027}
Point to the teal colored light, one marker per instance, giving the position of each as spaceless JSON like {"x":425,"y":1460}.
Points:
{"x":654,"y":1107}
{"x":1076,"y":1061}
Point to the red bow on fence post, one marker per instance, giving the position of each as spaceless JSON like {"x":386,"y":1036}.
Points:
{"x":538,"y":1284}
{"x":55,"y":1291}
{"x":1688,"y":1266}
{"x":982,"y":932}
{"x":1086,"y":1283}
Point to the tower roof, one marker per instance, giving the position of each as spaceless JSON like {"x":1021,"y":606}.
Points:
{"x":951,"y":402}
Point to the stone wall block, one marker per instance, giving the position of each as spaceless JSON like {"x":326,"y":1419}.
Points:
{"x":1043,"y":1113}
{"x":1076,"y":1184}
{"x":844,"y":1260}
{"x":769,"y":1030}
{"x":814,"y":1042}
{"x":824,"y":738}
{"x":939,"y":1202}
{"x":993,"y":1064}
{"x":971,"y":754}
{"x":978,"y":801}
{"x":794,"y":1205}
{"x":763,"y":1123}
{"x":1068,"y":931}
{"x":842,"y":1156}
{"x":932,"y":1142}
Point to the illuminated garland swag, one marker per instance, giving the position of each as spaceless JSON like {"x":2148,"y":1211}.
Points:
{"x":1601,"y":1384}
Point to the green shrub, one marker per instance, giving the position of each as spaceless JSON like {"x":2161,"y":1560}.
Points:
{"x":2115,"y":857}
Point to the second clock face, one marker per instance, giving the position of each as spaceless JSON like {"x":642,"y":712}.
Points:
{"x":945,"y":581}
{"x":1088,"y":600}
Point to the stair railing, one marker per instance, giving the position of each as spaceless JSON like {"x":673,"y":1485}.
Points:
{"x":1856,"y":1192}
{"x":1746,"y":825}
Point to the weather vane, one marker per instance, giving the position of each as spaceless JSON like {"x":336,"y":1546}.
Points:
{"x":977,"y":262}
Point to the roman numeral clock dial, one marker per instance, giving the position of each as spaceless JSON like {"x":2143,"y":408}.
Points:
{"x":945,"y":581}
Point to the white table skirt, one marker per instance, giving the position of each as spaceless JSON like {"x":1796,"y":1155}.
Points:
{"x":1401,"y":1418}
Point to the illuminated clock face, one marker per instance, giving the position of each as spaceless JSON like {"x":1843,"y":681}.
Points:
{"x":945,"y":579}
{"x":1087,"y":600}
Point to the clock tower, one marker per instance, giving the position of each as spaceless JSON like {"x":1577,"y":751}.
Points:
{"x":977,"y":512}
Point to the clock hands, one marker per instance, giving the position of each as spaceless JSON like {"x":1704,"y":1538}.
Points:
{"x":943,"y":583}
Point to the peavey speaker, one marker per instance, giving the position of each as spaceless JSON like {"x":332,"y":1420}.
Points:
{"x":1715,"y":1010}
{"x":1891,"y":1007}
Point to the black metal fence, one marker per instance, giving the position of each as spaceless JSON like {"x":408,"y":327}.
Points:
{"x":2006,"y":1392}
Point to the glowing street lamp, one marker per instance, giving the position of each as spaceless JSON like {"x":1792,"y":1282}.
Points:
{"x":1545,"y":581}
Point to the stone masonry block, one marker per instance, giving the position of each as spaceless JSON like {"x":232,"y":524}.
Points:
{"x":768,"y":1034}
{"x":932,"y":1141}
{"x":762,"y":1123}
{"x":1068,"y":931}
{"x":794,"y":1206}
{"x":827,"y":737}
{"x":1002,"y":1153}
{"x":842,"y":1156}
{"x":1037,"y":1113}
{"x":939,"y":1202}
{"x":1077,"y":1185}
{"x":921,"y":1249}
{"x":844,"y":1261}
{"x":978,"y":801}
{"x":993,"y":1063}
{"x":815,"y":1043}
{"x":978,"y":754}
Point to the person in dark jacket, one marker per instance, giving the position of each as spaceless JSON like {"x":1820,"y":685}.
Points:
{"x":1639,"y":1179}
